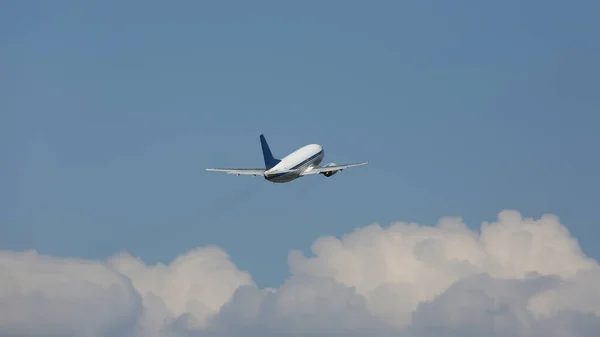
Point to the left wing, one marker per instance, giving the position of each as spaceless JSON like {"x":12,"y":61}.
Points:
{"x":323,"y":169}
{"x":238,"y":171}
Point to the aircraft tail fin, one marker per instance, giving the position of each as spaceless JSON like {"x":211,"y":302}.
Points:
{"x":270,"y":161}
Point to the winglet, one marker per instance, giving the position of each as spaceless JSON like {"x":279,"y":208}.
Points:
{"x":270,"y":161}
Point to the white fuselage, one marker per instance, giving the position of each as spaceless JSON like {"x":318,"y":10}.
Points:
{"x":301,"y":159}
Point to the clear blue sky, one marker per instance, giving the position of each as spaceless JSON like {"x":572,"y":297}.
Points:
{"x":110,"y":112}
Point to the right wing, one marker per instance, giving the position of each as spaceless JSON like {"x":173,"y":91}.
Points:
{"x":238,"y":171}
{"x":323,"y":169}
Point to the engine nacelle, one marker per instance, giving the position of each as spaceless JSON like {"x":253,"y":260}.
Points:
{"x":330,"y":173}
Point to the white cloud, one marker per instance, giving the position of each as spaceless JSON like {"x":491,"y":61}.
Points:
{"x":45,"y":296}
{"x":515,"y":277}
{"x":195,"y":284}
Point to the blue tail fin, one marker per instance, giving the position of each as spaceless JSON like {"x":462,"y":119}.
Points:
{"x":270,"y":161}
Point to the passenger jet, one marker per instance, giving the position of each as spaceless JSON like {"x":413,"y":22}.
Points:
{"x":302,"y":162}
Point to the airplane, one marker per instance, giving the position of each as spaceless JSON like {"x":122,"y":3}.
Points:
{"x":302,"y":162}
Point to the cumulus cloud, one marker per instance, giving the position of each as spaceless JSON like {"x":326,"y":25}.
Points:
{"x":48,"y":296}
{"x":513,"y":277}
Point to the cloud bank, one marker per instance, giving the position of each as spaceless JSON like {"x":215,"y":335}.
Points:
{"x":513,"y":277}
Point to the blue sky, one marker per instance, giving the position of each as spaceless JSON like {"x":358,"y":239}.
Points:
{"x":111,"y":112}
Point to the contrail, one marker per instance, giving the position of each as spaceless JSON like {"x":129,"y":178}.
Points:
{"x":230,"y":201}
{"x":215,"y":209}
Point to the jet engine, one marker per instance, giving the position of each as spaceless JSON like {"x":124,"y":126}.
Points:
{"x":330,"y":173}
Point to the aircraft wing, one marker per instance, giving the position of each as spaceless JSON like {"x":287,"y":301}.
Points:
{"x":238,"y":171}
{"x":323,"y":169}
